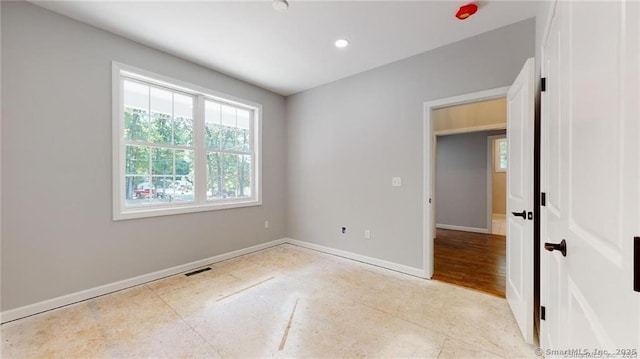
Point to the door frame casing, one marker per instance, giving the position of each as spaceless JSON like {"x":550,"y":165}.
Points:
{"x":429,"y":163}
{"x":542,"y":215}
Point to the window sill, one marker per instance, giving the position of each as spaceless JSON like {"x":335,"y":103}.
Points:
{"x":133,"y":213}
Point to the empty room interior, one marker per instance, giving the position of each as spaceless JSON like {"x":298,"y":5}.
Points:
{"x":321,"y":179}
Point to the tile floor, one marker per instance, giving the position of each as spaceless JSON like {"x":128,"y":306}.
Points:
{"x":282,"y":302}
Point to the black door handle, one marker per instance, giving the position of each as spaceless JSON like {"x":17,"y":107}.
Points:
{"x":522,"y":214}
{"x":562,"y":247}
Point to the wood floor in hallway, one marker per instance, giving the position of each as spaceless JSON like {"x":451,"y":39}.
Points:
{"x":472,"y":260}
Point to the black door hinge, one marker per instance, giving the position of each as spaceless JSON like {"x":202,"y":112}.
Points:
{"x":429,"y":200}
{"x":543,"y":199}
{"x":636,"y":264}
{"x":543,"y":313}
{"x":543,"y":84}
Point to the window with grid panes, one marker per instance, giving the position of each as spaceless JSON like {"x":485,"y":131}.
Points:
{"x":181,"y":148}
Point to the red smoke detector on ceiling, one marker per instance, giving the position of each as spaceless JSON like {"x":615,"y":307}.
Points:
{"x":466,"y":10}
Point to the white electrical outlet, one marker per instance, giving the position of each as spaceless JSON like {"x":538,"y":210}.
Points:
{"x":396,"y":181}
{"x":367,"y":234}
{"x":266,"y":224}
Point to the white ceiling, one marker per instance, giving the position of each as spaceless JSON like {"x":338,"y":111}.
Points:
{"x":292,"y":51}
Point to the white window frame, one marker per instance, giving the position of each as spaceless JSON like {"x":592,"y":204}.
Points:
{"x":496,"y":150}
{"x":201,"y":203}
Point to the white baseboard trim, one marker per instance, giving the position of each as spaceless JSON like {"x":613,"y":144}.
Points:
{"x":418,"y":272}
{"x":463,"y":228}
{"x":76,"y":297}
{"x":64,"y":300}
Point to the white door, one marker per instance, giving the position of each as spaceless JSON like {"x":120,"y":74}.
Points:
{"x":590,"y":177}
{"x":520,"y":132}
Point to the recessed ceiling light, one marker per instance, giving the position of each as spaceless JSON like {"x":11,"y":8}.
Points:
{"x":342,"y":43}
{"x":280,"y":5}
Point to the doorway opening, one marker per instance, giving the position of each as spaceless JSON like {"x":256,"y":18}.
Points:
{"x":521,"y":191}
{"x":429,"y":156}
{"x":470,"y":195}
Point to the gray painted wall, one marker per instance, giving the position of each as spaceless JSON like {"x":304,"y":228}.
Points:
{"x":461,"y":179}
{"x":57,"y":233}
{"x":347,"y":139}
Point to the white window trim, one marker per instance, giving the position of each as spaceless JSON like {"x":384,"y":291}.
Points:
{"x":120,"y":212}
{"x":496,"y":151}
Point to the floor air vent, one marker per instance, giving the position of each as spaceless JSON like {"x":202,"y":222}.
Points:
{"x":197,"y":271}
